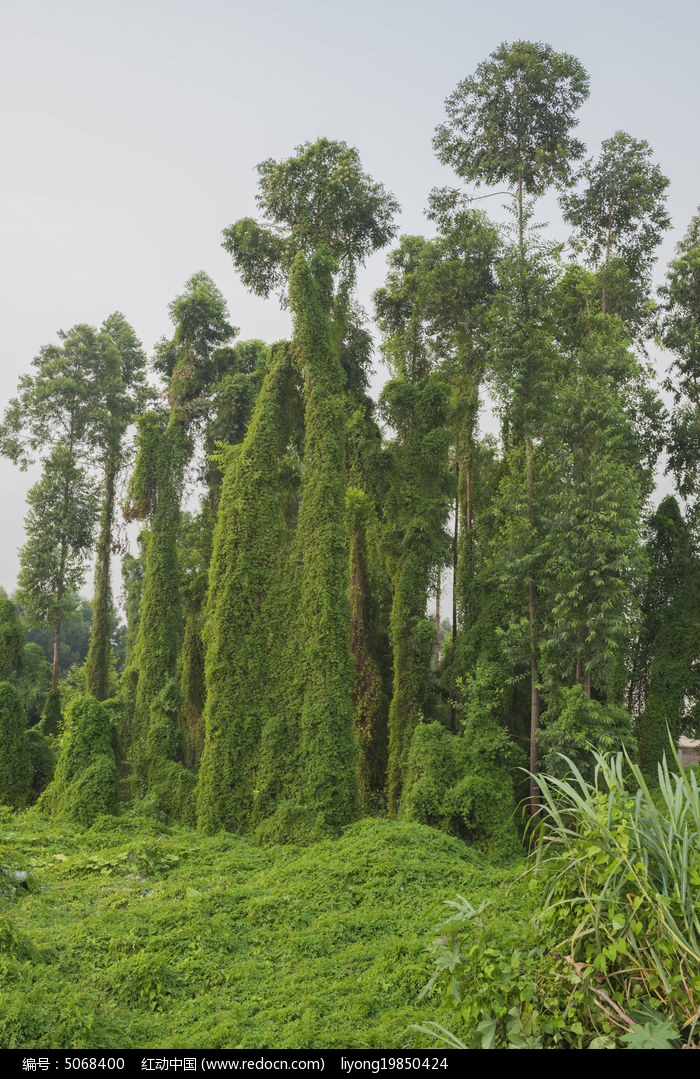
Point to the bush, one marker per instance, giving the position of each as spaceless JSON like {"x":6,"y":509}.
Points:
{"x":85,"y":782}
{"x":15,"y":760}
{"x":42,"y":752}
{"x":463,"y":785}
{"x":578,"y":728}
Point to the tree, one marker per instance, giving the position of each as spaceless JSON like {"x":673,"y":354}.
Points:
{"x":621,"y":212}
{"x":58,"y":416}
{"x":414,"y":402}
{"x":322,"y":215}
{"x":680,"y":326}
{"x":165,"y":445}
{"x":511,"y":121}
{"x":123,"y":395}
{"x":59,"y":527}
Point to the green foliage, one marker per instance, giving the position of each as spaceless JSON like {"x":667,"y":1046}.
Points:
{"x":577,"y":728}
{"x":11,"y":641}
{"x":85,"y":782}
{"x":511,"y":121}
{"x":320,"y":196}
{"x":247,"y":624}
{"x":664,"y":684}
{"x":15,"y":758}
{"x":59,"y":528}
{"x":681,"y":334}
{"x":621,"y":869}
{"x":596,"y":947}
{"x":326,"y":747}
{"x":369,"y":698}
{"x":621,"y":211}
{"x":414,"y":403}
{"x":149,"y":936}
{"x":464,"y":785}
{"x":51,"y":717}
{"x":75,"y":636}
{"x":42,"y":753}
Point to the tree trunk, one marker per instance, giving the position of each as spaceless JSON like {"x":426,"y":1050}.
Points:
{"x":98,"y":659}
{"x":455,"y":558}
{"x":534,"y":678}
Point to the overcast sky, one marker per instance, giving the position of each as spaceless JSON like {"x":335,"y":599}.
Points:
{"x":131,"y":131}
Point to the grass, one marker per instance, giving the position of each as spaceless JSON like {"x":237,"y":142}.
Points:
{"x":137,"y":935}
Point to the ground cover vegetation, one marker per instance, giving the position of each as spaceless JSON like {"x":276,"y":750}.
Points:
{"x":281,"y":682}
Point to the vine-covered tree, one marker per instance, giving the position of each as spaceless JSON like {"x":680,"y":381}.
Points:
{"x":123,"y":395}
{"x":322,"y":215}
{"x":165,"y":445}
{"x":414,"y":402}
{"x":681,"y":335}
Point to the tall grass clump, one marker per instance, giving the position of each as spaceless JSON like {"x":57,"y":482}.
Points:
{"x":621,"y":867}
{"x":598,"y":943}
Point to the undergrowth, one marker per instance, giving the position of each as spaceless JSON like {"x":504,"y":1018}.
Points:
{"x":133,"y":934}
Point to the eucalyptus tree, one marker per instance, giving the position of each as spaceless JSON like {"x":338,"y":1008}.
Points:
{"x":165,"y":442}
{"x":123,"y":394}
{"x":512,"y":122}
{"x":458,"y":289}
{"x":620,"y":217}
{"x":58,"y":417}
{"x":415,"y":404}
{"x":680,"y":324}
{"x":322,"y":215}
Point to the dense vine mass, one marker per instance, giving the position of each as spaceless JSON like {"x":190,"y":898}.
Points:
{"x":286,"y":665}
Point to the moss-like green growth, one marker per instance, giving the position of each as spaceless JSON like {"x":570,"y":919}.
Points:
{"x":247,"y":620}
{"x":85,"y":782}
{"x":51,"y":715}
{"x":15,"y":758}
{"x":327,"y":749}
{"x":11,"y":641}
{"x":42,"y":752}
{"x":464,"y":785}
{"x":155,"y":936}
{"x":369,"y":699}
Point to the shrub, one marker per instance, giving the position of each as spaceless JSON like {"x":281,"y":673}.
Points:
{"x":577,"y":728}
{"x":15,"y":760}
{"x":85,"y":782}
{"x":463,"y":785}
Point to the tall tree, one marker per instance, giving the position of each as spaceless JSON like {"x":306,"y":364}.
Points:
{"x":681,"y":335}
{"x":165,"y":446}
{"x":511,"y":122}
{"x":57,"y":416}
{"x":415,"y":404}
{"x":59,"y":527}
{"x":121,"y":386}
{"x":620,"y":216}
{"x":322,"y":216}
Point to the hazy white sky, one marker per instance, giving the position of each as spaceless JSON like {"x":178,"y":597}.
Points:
{"x":131,"y":130}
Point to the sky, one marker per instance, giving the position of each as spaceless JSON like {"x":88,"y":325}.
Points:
{"x":131,"y":130}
